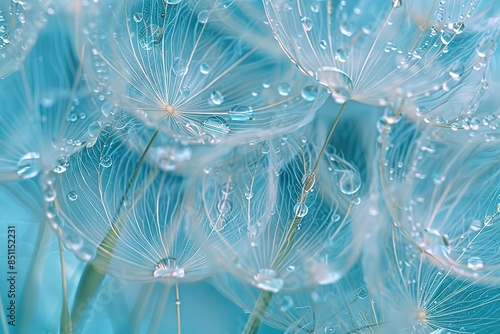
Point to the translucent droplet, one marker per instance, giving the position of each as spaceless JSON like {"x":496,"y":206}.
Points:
{"x":94,"y":128}
{"x":362,"y":292}
{"x":349,"y":182}
{"x":341,"y":55}
{"x":458,"y":28}
{"x":49,"y":195}
{"x":29,"y":165}
{"x":72,"y":196}
{"x":396,"y":3}
{"x":286,"y":304}
{"x":284,"y":89}
{"x":300,"y":209}
{"x":249,"y":195}
{"x":167,"y":268}
{"x":137,"y":17}
{"x":456,"y":71}
{"x":203,"y":16}
{"x":339,"y":83}
{"x":323,"y":44}
{"x":240,"y":113}
{"x":173,"y":2}
{"x":216,"y":124}
{"x":446,"y":38}
{"x":216,"y":98}
{"x":266,"y":279}
{"x":308,"y":180}
{"x":485,"y":47}
{"x":476,"y":225}
{"x":309,"y":93}
{"x":475,"y":263}
{"x":179,"y":67}
{"x":204,"y":68}
{"x":307,"y":23}
{"x":106,"y":161}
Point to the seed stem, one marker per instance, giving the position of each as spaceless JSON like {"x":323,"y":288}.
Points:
{"x":265,"y":297}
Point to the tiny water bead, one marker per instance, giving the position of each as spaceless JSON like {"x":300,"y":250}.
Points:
{"x":204,"y":68}
{"x":138,"y":17}
{"x":172,"y":2}
{"x":268,"y":280}
{"x":167,"y":268}
{"x":72,"y":196}
{"x":307,"y":23}
{"x":106,"y":161}
{"x":216,"y":98}
{"x":216,"y":124}
{"x":284,"y":89}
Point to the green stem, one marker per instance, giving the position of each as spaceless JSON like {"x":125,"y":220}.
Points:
{"x":265,"y":297}
{"x":91,"y":277}
{"x":253,"y":323}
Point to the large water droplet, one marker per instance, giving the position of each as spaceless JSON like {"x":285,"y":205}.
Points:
{"x":349,"y":182}
{"x":216,"y":124}
{"x":266,"y":279}
{"x":167,"y":268}
{"x":94,"y":128}
{"x":485,"y":47}
{"x":339,"y":83}
{"x":240,"y":113}
{"x":29,"y":165}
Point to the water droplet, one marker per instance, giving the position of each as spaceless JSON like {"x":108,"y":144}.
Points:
{"x":284,"y":89}
{"x":488,"y":220}
{"x":330,"y":329}
{"x":475,"y":263}
{"x":308,"y":180}
{"x":290,"y":268}
{"x":216,"y":98}
{"x":456,"y":71}
{"x":323,"y":44}
{"x":167,"y":268}
{"x":286,"y":304}
{"x":362,"y":292}
{"x":106,"y":161}
{"x":339,"y":83}
{"x":300,"y":209}
{"x":341,"y":55}
{"x":203,"y":16}
{"x":137,"y":17}
{"x":216,"y":124}
{"x":309,"y":93}
{"x":72,"y":196}
{"x":204,"y":68}
{"x":266,"y":279}
{"x":396,"y":3}
{"x":485,"y":47}
{"x":458,"y":28}
{"x":240,"y":113}
{"x":179,"y":67}
{"x":28,"y":165}
{"x":173,"y":2}
{"x":349,"y":182}
{"x":446,"y":38}
{"x":248,"y":195}
{"x":307,"y":23}
{"x":94,"y":128}
{"x":476,"y":225}
{"x":49,"y":195}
